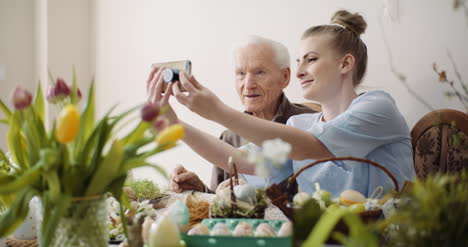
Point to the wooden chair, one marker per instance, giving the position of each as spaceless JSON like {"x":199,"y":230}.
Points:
{"x":440,"y":142}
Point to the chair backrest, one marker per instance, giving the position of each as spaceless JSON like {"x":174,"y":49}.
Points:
{"x":440,"y":142}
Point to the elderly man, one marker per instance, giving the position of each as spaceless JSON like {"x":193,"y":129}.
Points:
{"x":262,"y":69}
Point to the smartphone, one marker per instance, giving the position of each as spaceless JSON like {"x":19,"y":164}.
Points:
{"x":172,"y":71}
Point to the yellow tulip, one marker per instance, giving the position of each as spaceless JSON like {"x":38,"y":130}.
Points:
{"x":68,"y":124}
{"x":170,"y":135}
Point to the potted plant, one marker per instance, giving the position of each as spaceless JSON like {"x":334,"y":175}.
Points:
{"x":71,"y":165}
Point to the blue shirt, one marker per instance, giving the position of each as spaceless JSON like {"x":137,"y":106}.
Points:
{"x":372,"y":128}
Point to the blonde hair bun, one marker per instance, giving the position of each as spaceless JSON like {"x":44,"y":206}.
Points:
{"x":353,"y":22}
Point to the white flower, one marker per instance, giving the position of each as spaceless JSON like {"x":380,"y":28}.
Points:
{"x":256,"y":157}
{"x":277,"y":151}
{"x":262,"y":170}
{"x":113,"y":206}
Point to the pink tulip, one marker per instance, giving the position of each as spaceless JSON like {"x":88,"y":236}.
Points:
{"x":22,"y":98}
{"x":51,"y":96}
{"x":160,"y":124}
{"x":149,"y":112}
{"x":62,"y":90}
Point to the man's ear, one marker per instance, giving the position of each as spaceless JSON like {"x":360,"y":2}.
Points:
{"x":286,"y":76}
{"x":347,"y":63}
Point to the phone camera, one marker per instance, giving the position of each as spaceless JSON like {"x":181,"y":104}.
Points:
{"x":170,"y":75}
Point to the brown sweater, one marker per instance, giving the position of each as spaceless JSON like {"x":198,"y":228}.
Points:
{"x":286,"y":109}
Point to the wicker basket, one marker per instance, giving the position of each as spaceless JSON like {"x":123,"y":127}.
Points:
{"x":281,"y":199}
{"x":13,"y":242}
{"x":259,"y":211}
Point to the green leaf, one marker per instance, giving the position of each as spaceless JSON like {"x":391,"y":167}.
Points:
{"x":93,"y":140}
{"x":39,"y":104}
{"x":51,"y":78}
{"x":87,"y":118}
{"x":57,"y":211}
{"x":53,"y":183}
{"x":32,"y":142}
{"x":122,"y":212}
{"x":16,"y":214}
{"x":74,"y":93}
{"x":31,"y":176}
{"x":137,"y":133}
{"x":5,"y":110}
{"x":324,"y":227}
{"x":305,"y":219}
{"x":14,"y":141}
{"x":6,"y":179}
{"x":4,"y":121}
{"x":107,"y":170}
{"x":359,"y":234}
{"x":4,"y":158}
{"x":131,"y":150}
{"x":136,"y":163}
{"x":86,"y":123}
{"x":117,"y":118}
{"x":115,"y":188}
{"x":40,"y":128}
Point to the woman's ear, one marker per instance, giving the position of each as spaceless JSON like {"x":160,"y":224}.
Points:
{"x":286,"y":77}
{"x":347,"y":63}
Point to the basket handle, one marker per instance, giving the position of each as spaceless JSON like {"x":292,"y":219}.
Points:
{"x":370,"y":162}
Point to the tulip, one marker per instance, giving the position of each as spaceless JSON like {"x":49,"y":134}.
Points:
{"x":22,"y":98}
{"x":160,"y":124}
{"x":62,"y":90}
{"x":51,"y":96}
{"x":78,"y":92}
{"x":149,"y":112}
{"x":170,"y":136}
{"x":68,"y":124}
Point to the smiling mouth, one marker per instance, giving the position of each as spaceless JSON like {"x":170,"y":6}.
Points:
{"x":303,"y":83}
{"x":252,"y":96}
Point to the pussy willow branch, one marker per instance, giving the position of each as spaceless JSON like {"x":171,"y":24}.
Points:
{"x":398,"y":75}
{"x":457,"y":73}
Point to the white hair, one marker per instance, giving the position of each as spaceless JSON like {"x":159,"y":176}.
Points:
{"x":280,"y":51}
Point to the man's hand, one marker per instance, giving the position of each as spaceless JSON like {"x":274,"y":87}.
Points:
{"x":182,"y":180}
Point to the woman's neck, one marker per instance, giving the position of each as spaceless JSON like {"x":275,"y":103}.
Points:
{"x":336,"y":105}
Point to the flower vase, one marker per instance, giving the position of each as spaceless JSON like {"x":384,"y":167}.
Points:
{"x":83,"y":224}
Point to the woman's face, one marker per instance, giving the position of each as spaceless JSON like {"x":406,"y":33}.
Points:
{"x":318,"y":68}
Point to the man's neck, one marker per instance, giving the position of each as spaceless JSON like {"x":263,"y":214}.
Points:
{"x":270,"y":113}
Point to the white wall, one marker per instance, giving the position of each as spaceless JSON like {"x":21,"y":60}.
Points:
{"x":37,"y":35}
{"x":16,"y":51}
{"x":133,"y":34}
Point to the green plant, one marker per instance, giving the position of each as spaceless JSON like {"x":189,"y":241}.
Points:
{"x":76,"y":157}
{"x":433,"y":213}
{"x":144,"y":189}
{"x":313,"y":226}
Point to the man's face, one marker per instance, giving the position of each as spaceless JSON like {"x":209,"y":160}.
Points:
{"x":259,"y":79}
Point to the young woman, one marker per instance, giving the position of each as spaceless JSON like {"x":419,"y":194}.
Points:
{"x":331,"y":64}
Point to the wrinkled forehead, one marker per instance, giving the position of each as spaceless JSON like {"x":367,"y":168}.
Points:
{"x":254,"y":55}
